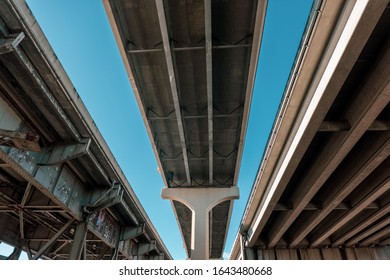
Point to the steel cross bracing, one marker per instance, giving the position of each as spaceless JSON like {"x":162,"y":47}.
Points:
{"x":62,"y":194}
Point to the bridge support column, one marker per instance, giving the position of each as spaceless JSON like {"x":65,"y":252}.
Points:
{"x":78,"y":245}
{"x":200,"y":201}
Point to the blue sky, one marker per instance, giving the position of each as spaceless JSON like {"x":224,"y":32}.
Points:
{"x":81,"y":37}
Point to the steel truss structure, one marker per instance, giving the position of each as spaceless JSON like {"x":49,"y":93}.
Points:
{"x":62,"y":194}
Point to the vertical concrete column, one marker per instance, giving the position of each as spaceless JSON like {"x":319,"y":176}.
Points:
{"x":200,"y":201}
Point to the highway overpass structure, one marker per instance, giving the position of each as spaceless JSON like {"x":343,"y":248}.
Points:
{"x":62,"y":193}
{"x":192,"y":67}
{"x":322,"y":190}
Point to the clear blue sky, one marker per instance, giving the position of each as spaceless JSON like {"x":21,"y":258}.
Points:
{"x":80,"y":35}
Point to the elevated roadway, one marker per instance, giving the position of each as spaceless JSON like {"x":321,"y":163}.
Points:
{"x":322,"y":190}
{"x":62,"y":194}
{"x":192,"y":67}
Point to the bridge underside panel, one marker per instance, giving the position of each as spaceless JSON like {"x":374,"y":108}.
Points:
{"x":142,"y":41}
{"x":327,"y":185}
{"x":218,"y":226}
{"x":184,"y":217}
{"x":189,"y":64}
{"x":358,"y":187}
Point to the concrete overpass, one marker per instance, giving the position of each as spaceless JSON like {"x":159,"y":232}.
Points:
{"x":322,"y":190}
{"x":192,"y":66}
{"x":62,"y":193}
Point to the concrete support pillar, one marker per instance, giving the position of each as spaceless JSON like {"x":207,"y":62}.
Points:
{"x":200,"y":201}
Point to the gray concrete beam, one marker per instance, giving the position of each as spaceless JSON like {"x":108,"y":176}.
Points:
{"x":369,"y":222}
{"x":376,"y":193}
{"x":370,"y":231}
{"x":173,"y":84}
{"x":293,"y":135}
{"x":365,"y":108}
{"x":130,"y":48}
{"x":376,"y":237}
{"x":24,"y":60}
{"x":209,"y":85}
{"x":255,"y":52}
{"x":333,"y":126}
{"x":368,"y":161}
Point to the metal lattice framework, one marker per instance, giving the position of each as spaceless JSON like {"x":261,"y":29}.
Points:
{"x":62,"y":194}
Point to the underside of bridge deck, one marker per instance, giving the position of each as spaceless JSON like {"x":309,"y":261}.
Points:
{"x":324,"y":178}
{"x":192,"y":66}
{"x":62,"y":194}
